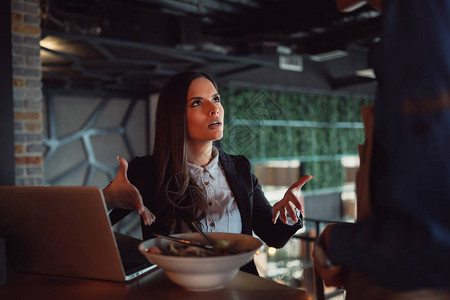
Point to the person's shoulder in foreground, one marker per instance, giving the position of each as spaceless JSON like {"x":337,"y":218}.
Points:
{"x":404,"y":244}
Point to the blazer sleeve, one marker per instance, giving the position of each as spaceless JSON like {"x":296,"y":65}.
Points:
{"x":138,"y":174}
{"x":274,"y":235}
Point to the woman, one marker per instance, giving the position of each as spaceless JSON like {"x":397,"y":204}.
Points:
{"x":188,"y":180}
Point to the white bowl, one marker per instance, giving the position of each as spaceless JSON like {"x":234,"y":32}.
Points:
{"x":203,"y":273}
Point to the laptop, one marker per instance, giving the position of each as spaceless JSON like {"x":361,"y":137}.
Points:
{"x":66,"y":231}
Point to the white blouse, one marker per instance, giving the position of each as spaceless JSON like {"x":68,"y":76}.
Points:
{"x":222,"y":214}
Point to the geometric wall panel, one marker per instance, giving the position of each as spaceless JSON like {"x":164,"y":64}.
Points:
{"x":85,"y":134}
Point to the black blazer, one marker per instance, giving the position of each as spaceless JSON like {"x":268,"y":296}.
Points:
{"x":255,"y":210}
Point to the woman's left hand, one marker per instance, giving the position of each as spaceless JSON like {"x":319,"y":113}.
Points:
{"x":290,"y":201}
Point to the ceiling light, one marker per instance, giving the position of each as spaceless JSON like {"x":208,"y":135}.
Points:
{"x":290,"y":62}
{"x":283,"y":50}
{"x":52,"y":43}
{"x":211,"y":47}
{"x":368,"y":73}
{"x":46,"y":43}
{"x":325,"y":56}
{"x":347,"y":6}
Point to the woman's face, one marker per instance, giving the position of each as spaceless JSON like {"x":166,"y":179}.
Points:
{"x":204,"y":112}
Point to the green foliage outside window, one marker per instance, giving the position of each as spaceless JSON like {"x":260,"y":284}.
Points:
{"x":317,"y":129}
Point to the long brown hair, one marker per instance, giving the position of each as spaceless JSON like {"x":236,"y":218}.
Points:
{"x":179,"y":198}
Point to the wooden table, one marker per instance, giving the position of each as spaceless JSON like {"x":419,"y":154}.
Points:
{"x":155,"y":285}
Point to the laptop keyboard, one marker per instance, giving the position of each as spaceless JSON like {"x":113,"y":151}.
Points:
{"x":134,"y":266}
{"x":132,"y":260}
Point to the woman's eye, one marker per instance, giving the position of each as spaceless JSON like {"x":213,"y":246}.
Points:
{"x":195,"y":103}
{"x":216,"y":99}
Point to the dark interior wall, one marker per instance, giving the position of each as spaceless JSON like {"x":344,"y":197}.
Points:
{"x":6,"y":97}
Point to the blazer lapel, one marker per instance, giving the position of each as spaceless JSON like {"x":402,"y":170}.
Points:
{"x":239,"y":191}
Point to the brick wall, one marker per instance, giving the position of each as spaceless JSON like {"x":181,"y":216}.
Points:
{"x":27,"y":91}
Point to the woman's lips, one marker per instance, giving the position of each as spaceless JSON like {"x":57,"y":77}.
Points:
{"x":215,"y":124}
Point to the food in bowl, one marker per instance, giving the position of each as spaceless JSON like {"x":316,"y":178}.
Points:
{"x":201,"y":273}
{"x":177,"y":249}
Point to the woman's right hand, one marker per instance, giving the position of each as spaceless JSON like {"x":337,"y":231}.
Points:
{"x":120,"y":193}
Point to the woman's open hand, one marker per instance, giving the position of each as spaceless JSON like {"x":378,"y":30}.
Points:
{"x":120,"y":193}
{"x":290,"y":201}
